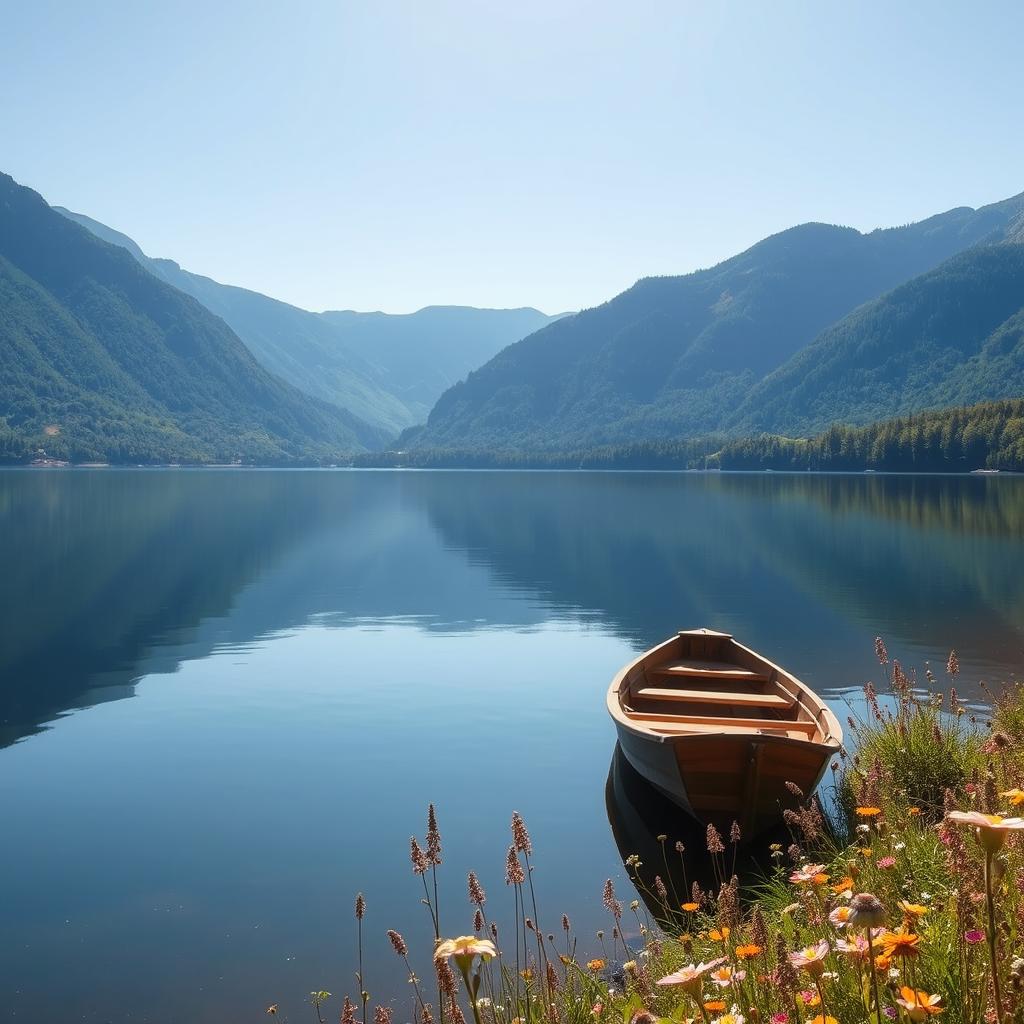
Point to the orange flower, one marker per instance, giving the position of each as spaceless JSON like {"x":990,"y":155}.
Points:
{"x":714,"y":1005}
{"x":901,"y":943}
{"x":844,"y":885}
{"x":719,"y":936}
{"x":913,"y":811}
{"x":1016,"y":796}
{"x":595,"y":965}
{"x":824,"y":1020}
{"x":919,"y":1005}
{"x":869,"y":812}
{"x":748,"y":951}
{"x":912,"y":910}
{"x":865,"y":851}
{"x":690,"y":907}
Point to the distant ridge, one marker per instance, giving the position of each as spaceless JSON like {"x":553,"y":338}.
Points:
{"x":389,"y":369}
{"x":679,"y":356}
{"x":101,"y":360}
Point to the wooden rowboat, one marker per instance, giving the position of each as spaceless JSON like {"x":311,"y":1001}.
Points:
{"x":720,"y":730}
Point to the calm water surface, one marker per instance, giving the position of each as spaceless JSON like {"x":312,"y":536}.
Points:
{"x":227,"y":697}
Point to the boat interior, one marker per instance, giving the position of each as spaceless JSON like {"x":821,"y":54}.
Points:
{"x":704,"y":682}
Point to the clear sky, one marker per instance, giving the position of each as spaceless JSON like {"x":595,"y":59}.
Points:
{"x":389,"y":154}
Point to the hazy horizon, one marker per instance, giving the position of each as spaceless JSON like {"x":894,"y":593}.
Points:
{"x":390,"y":159}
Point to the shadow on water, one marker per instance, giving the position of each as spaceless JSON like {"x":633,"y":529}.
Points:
{"x":639,"y":814}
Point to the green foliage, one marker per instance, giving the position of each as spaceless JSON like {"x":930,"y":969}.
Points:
{"x":99,"y":360}
{"x":679,"y":356}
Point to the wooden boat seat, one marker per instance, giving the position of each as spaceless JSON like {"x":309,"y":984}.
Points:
{"x":695,"y":723}
{"x":789,"y":729}
{"x":699,"y":668}
{"x":742,"y":700}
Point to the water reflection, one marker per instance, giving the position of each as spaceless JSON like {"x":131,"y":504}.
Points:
{"x":111,"y":575}
{"x":639,"y":816}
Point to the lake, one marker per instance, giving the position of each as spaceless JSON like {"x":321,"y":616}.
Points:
{"x":227,"y":697}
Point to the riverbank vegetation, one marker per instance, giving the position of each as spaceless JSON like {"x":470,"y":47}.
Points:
{"x":898,"y":899}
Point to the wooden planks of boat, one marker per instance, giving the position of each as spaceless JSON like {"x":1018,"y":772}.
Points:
{"x":720,"y":730}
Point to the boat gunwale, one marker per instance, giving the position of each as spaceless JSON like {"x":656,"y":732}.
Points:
{"x":831,"y":729}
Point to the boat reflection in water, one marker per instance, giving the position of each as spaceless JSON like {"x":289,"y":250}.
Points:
{"x":639,"y":814}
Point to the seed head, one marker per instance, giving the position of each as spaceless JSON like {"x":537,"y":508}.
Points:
{"x":880,"y":652}
{"x":565,"y":923}
{"x":348,"y":1012}
{"x":418,"y":857}
{"x":360,"y":907}
{"x":477,"y":896}
{"x":478,"y":921}
{"x":513,"y":869}
{"x":520,"y":836}
{"x":433,"y":837}
{"x":714,"y":840}
{"x":953,"y":664}
{"x":610,"y":902}
{"x":398,"y":943}
{"x":382,"y":1015}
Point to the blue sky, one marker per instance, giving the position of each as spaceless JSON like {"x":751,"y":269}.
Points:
{"x":390,"y":155}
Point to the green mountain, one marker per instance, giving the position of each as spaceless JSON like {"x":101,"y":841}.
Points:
{"x":387,"y":369}
{"x":99,"y":359}
{"x":677,"y":356}
{"x":950,"y":337}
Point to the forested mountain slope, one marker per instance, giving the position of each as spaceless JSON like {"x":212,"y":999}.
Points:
{"x":388,"y":369}
{"x":677,"y":356}
{"x":100,"y":359}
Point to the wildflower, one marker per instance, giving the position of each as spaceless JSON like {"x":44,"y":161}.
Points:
{"x":919,"y":1005}
{"x":419,"y":858}
{"x":880,"y":652}
{"x":596,"y":1009}
{"x":748,"y":951}
{"x":689,"y":978}
{"x":477,"y":896}
{"x":433,"y":837}
{"x":899,"y":846}
{"x":780,"y":1018}
{"x":596,"y":965}
{"x":360,"y":907}
{"x":526,"y":974}
{"x":513,"y":869}
{"x":840,"y":917}
{"x":348,"y":1012}
{"x":868,"y":812}
{"x":810,"y":998}
{"x":382,"y":1015}
{"x":912,"y":910}
{"x":913,"y":811}
{"x":398,"y":942}
{"x":723,"y":977}
{"x":690,"y":907}
{"x":886,"y":862}
{"x":866,"y":911}
{"x":1016,"y":796}
{"x":519,"y":834}
{"x":899,"y":943}
{"x":609,"y":900}
{"x":865,"y":851}
{"x":811,"y":958}
{"x":855,"y":947}
{"x":730,"y":1018}
{"x":715,"y":1005}
{"x":808,"y":873}
{"x":719,"y":936}
{"x":464,"y":949}
{"x":820,"y":1019}
{"x":714,"y":840}
{"x":991,"y":830}
{"x":844,"y":885}
{"x":973,"y":936}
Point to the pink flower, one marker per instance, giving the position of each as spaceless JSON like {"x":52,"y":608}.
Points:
{"x":811,"y":958}
{"x":807,"y":873}
{"x":886,"y":862}
{"x":839,"y":917}
{"x":690,"y":977}
{"x":974,"y":935}
{"x":726,"y":976}
{"x":780,"y":1018}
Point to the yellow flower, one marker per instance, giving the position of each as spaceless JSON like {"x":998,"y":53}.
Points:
{"x":595,"y":965}
{"x":1016,"y":796}
{"x":869,"y":812}
{"x":690,"y":907}
{"x":919,"y":1005}
{"x":824,"y":1020}
{"x":464,"y":949}
{"x":912,"y":910}
{"x":865,"y":851}
{"x":990,"y":829}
